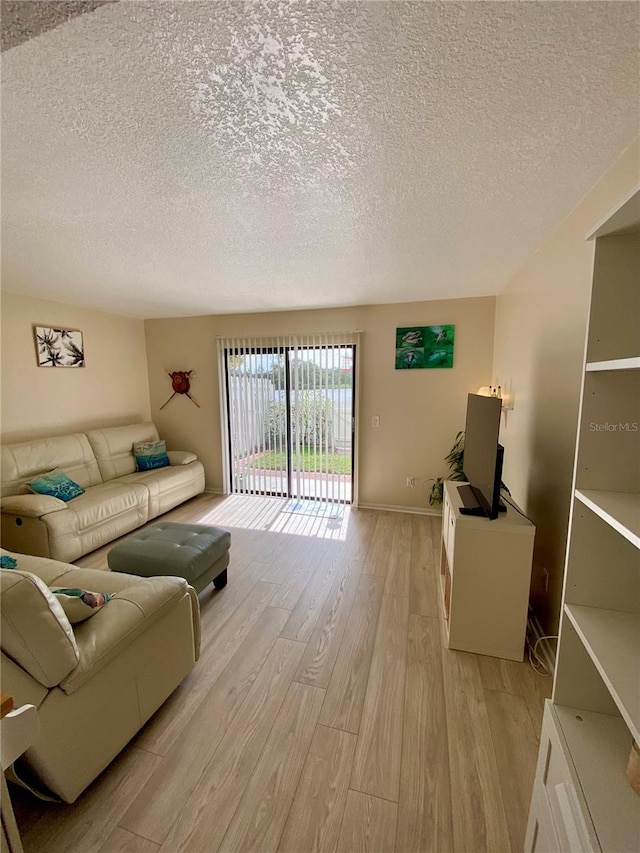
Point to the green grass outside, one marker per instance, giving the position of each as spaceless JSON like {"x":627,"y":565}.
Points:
{"x":309,"y":460}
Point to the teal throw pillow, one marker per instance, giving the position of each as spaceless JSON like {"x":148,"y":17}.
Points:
{"x":79,"y":604}
{"x":56,"y":484}
{"x":150,"y":455}
{"x":7,"y":562}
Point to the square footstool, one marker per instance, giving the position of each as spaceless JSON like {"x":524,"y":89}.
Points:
{"x":197,"y":552}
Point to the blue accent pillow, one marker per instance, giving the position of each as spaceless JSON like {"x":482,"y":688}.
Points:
{"x":56,"y":484}
{"x":150,"y":455}
{"x":7,"y":562}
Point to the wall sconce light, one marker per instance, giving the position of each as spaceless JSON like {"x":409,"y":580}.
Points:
{"x":496,"y":391}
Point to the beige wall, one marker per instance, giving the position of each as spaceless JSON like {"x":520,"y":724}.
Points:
{"x":541,"y":321}
{"x":420,"y":411}
{"x":112,"y":389}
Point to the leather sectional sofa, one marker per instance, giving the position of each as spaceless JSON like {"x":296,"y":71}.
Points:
{"x":95,"y":683}
{"x":117,"y":497}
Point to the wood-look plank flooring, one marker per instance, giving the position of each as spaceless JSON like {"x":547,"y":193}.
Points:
{"x":325,"y":714}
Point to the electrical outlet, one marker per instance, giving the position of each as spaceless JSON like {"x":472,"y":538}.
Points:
{"x":375,"y":421}
{"x":411,"y":482}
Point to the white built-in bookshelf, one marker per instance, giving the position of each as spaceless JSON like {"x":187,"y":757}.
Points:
{"x":582,"y":800}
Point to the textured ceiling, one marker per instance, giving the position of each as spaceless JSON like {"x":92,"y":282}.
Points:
{"x":163,"y":159}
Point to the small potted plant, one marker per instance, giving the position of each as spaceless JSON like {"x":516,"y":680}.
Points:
{"x":454,"y":460}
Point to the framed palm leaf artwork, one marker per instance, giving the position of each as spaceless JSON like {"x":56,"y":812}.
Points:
{"x":424,"y":346}
{"x":58,"y":347}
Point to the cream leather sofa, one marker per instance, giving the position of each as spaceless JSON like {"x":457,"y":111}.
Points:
{"x":117,"y":499}
{"x":95,"y":684}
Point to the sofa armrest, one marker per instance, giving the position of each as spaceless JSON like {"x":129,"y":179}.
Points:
{"x":33,"y":506}
{"x":181,"y":457}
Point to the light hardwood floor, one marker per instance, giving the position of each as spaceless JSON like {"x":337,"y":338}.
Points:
{"x":324,"y":714}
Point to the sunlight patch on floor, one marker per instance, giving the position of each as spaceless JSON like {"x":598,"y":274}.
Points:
{"x":280,"y":515}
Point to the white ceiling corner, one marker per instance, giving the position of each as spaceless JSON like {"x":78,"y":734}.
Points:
{"x":176,"y":158}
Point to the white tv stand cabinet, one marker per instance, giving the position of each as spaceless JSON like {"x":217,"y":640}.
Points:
{"x":485,"y":569}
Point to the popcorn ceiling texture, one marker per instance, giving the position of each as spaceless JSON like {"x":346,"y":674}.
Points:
{"x":268,"y":91}
{"x":165,"y":159}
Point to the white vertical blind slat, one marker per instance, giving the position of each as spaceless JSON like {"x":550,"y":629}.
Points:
{"x":332,"y":486}
{"x":269,"y":480}
{"x":224,"y":420}
{"x":233,"y":406}
{"x":238,"y":448}
{"x":250,"y":388}
{"x":331,"y":437}
{"x":243,"y":403}
{"x":327,"y":482}
{"x":295,"y":386}
{"x":279,"y":443}
{"x":284,"y":434}
{"x":254,"y":384}
{"x":313,"y":409}
{"x":340,"y":417}
{"x":295,"y":420}
{"x":261,"y":416}
{"x":335,"y":423}
{"x":252,"y":405}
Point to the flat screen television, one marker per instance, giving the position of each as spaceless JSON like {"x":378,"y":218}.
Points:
{"x":483,"y":455}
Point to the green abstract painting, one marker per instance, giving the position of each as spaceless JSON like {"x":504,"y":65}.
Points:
{"x":424,"y":346}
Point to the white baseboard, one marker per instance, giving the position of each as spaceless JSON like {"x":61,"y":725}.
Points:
{"x":546,"y":650}
{"x":414,"y":510}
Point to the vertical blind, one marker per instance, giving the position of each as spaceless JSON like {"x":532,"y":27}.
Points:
{"x":288,"y":415}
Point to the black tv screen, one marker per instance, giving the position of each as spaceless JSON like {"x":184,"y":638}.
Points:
{"x":483,"y":455}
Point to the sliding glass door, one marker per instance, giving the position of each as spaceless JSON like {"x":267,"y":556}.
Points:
{"x":290,"y":418}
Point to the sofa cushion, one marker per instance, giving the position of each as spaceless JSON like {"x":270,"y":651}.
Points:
{"x":168,"y":486}
{"x":80,"y":604}
{"x":56,"y":484}
{"x":150,"y":455}
{"x":113,"y":447}
{"x":105,"y":502}
{"x":36,"y":634}
{"x":20,"y":463}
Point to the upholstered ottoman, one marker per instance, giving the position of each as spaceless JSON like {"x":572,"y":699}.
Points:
{"x":197,"y":552}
